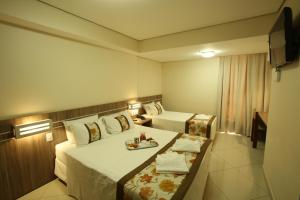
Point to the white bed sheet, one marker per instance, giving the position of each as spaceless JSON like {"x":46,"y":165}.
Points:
{"x":109,"y":152}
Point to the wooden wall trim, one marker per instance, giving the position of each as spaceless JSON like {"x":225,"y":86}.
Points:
{"x":6,"y":126}
{"x":28,"y":163}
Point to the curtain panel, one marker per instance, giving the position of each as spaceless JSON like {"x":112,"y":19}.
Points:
{"x":244,"y":87}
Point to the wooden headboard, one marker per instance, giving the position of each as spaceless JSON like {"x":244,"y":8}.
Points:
{"x":28,"y":163}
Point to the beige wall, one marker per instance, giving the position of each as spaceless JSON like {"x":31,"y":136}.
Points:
{"x":150,"y":77}
{"x":41,"y":73}
{"x":282,"y":149}
{"x":191,"y":86}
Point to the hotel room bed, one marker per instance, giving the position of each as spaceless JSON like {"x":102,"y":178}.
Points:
{"x":105,"y":169}
{"x":178,"y":122}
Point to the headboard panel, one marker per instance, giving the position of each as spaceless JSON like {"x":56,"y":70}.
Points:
{"x":28,"y":163}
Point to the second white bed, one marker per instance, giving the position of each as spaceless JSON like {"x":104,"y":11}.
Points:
{"x":176,"y":121}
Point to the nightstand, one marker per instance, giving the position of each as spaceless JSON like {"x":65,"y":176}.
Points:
{"x":143,"y":122}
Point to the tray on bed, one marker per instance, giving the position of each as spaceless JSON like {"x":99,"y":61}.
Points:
{"x":130,"y":145}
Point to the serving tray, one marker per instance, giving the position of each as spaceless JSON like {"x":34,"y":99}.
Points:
{"x":130,"y":145}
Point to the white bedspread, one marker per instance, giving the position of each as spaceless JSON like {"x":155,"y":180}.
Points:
{"x":172,"y":121}
{"x":94,"y":169}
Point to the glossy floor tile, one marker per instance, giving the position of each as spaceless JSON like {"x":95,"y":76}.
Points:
{"x":235,"y":173}
{"x":55,"y":190}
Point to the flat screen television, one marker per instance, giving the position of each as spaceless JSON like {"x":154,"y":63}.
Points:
{"x":282,"y":40}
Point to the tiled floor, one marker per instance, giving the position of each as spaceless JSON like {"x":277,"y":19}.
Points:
{"x":236,"y":170}
{"x":235,"y":173}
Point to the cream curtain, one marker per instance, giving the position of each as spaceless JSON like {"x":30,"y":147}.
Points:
{"x":244,"y":87}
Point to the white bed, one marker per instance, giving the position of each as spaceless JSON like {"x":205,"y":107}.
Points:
{"x":176,"y":121}
{"x":93,"y":169}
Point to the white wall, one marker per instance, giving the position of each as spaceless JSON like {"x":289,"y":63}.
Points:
{"x":191,"y":86}
{"x":41,"y":73}
{"x":282,"y":149}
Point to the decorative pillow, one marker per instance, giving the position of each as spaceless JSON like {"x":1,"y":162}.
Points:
{"x":159,"y":110}
{"x":124,"y":123}
{"x":85,"y":133}
{"x":68,"y":124}
{"x":128,"y":117}
{"x":94,"y":131}
{"x":150,"y":108}
{"x":118,"y":122}
{"x":162,"y":108}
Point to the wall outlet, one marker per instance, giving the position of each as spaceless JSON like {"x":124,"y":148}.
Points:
{"x":49,"y":137}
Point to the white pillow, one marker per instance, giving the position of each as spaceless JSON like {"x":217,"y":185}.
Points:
{"x":127,"y":115}
{"x":104,"y":133}
{"x":150,"y":109}
{"x":68,"y":123}
{"x":112,"y":125}
{"x":79,"y":134}
{"x":113,"y":122}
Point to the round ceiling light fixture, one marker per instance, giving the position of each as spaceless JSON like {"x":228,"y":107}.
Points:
{"x":207,"y":54}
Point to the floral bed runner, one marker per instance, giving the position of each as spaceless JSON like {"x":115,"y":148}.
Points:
{"x":144,"y":183}
{"x":199,"y":127}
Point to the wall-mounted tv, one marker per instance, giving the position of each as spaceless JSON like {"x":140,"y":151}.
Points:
{"x":282,"y":40}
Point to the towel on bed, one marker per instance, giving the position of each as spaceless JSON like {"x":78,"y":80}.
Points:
{"x":171,"y":162}
{"x":188,"y":145}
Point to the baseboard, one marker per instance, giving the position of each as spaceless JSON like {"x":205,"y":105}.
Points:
{"x":268,"y":184}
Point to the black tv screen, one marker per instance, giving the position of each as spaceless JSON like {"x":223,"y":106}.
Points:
{"x":283,"y":48}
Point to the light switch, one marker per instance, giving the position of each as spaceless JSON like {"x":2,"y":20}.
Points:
{"x":49,"y":137}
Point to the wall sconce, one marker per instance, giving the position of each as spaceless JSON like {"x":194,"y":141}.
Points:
{"x":134,"y":107}
{"x":24,"y":130}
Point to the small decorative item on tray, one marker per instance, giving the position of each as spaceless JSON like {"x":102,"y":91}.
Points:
{"x":147,"y":143}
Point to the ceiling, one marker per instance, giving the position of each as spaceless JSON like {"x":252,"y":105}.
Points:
{"x":144,"y":19}
{"x":258,"y":44}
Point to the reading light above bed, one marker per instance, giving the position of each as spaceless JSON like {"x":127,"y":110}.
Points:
{"x":133,"y":106}
{"x":24,"y":130}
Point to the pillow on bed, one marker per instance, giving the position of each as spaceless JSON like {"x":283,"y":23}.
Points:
{"x":150,"y":108}
{"x":68,"y":124}
{"x":158,"y":107}
{"x":162,"y":108}
{"x":118,"y":122}
{"x":85,"y":133}
{"x":85,"y":130}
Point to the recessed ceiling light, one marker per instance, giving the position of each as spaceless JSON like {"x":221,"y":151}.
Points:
{"x":207,"y":54}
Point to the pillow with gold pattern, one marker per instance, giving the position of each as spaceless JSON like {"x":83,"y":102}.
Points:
{"x":94,"y":131}
{"x":118,"y":122}
{"x":124,"y":123}
{"x":85,"y":133}
{"x":159,"y":109}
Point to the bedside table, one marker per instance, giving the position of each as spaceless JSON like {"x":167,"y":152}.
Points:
{"x":143,"y":122}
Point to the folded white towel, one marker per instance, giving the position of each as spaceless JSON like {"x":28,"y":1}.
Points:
{"x":202,"y":117}
{"x":188,"y":145}
{"x":171,"y":162}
